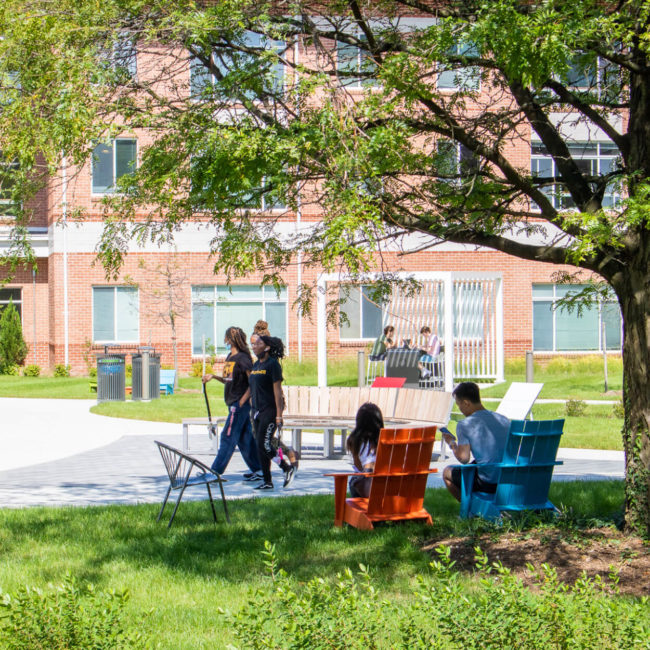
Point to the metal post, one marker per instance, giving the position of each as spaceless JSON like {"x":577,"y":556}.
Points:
{"x":361,"y":368}
{"x":604,"y":343}
{"x":146,"y":394}
{"x":203,"y":352}
{"x":530,"y":371}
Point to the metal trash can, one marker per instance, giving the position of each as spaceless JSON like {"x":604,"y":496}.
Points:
{"x":111,"y":377}
{"x":137,"y":375}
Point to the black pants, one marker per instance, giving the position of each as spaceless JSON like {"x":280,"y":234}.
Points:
{"x":264,"y":428}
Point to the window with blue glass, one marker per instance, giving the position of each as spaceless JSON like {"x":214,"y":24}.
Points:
{"x":364,"y":316}
{"x":452,"y":76}
{"x":216,"y":308}
{"x":116,"y":315}
{"x":355,"y":66}
{"x":111,"y":161}
{"x":556,"y":329}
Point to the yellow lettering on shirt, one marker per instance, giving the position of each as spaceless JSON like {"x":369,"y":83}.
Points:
{"x":258,"y":372}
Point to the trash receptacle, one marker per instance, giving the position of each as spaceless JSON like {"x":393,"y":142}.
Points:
{"x":138,"y":374}
{"x":111,"y":377}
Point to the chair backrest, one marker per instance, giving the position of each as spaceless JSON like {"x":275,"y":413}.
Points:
{"x":167,"y":376}
{"x":401,"y":470}
{"x":519,"y":399}
{"x":178,"y":464}
{"x":528,"y":462}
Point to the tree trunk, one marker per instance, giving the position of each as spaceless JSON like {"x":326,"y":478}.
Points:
{"x":634,"y":298}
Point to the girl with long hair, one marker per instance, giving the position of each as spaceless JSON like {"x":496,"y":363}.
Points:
{"x":268,"y":405}
{"x":362,"y":444}
{"x":237,"y":431}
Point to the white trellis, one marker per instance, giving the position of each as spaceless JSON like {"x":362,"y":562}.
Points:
{"x":465,"y":310}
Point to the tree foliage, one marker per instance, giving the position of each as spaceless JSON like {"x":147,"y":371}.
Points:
{"x":391,"y":117}
{"x":13,"y":349}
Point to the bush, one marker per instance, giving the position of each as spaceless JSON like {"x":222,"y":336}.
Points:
{"x":575,"y":407}
{"x":66,"y":617}
{"x":61,"y":370}
{"x":618,"y":410}
{"x":92,"y":372}
{"x":197,"y":369}
{"x":32,"y":370}
{"x":128,"y":370}
{"x":13,"y":348}
{"x":499,"y":611}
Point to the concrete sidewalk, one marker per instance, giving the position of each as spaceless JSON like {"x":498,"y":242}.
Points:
{"x":55,"y":452}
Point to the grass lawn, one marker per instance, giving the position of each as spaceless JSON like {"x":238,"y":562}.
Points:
{"x":183,"y":575}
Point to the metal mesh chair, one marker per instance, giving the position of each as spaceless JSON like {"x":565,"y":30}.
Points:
{"x":179,"y":468}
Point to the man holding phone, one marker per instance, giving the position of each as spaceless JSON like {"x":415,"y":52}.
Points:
{"x":481,"y":434}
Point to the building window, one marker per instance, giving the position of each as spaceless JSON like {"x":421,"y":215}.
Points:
{"x":8,"y":204}
{"x":216,"y":308}
{"x":14,"y":296}
{"x":555,"y":329}
{"x":115,"y":315}
{"x":122,"y":58}
{"x":454,"y":161}
{"x":268,"y":72}
{"x":592,"y":159}
{"x":110,"y":162}
{"x":452,"y":77}
{"x":352,"y":61}
{"x":263,"y":198}
{"x":364,"y":315}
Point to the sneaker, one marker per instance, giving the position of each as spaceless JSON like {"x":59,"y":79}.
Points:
{"x":426,"y":373}
{"x":264,"y":486}
{"x":253,"y":476}
{"x":289,"y":475}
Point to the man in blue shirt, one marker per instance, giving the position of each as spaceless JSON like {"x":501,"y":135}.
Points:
{"x":481,"y":434}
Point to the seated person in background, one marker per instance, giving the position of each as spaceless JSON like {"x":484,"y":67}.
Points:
{"x":362,"y":444}
{"x":482,"y":434}
{"x":383,"y":343}
{"x":430,"y":350}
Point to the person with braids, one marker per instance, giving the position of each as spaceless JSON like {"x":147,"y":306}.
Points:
{"x":237,"y":431}
{"x":362,"y":444}
{"x":268,"y":404}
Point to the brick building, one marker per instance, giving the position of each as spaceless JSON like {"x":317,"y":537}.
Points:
{"x":70,"y":310}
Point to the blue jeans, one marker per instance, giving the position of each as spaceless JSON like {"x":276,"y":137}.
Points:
{"x":237,"y":432}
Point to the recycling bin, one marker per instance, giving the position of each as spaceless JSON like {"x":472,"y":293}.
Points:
{"x":111,"y":377}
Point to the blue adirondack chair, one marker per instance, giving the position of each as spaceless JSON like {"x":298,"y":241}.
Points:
{"x":167,"y":381}
{"x":524,"y":473}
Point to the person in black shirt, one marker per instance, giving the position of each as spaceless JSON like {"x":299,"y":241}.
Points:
{"x":237,"y":431}
{"x":268,"y":403}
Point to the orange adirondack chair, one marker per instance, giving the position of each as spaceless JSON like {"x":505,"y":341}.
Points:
{"x":398,"y":482}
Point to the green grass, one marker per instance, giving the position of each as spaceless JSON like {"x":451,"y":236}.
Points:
{"x":46,"y":387}
{"x":183,"y":575}
{"x":579,"y":378}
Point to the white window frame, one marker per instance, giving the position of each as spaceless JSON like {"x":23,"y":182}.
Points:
{"x":554,"y":311}
{"x":554,"y":191}
{"x":115,"y":314}
{"x":361,"y":338}
{"x":215,"y":301}
{"x":464,"y":74}
{"x":110,"y":191}
{"x":19,"y":302}
{"x":7,"y":203}
{"x":361,"y":56}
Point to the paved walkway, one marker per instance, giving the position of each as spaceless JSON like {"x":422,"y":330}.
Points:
{"x":55,"y":452}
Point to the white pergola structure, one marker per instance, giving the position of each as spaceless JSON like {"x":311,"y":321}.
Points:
{"x":465,"y":310}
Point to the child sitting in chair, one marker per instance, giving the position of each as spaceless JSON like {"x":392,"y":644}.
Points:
{"x":362,"y":444}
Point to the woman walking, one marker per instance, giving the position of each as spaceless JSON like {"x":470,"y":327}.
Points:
{"x":237,"y":431}
{"x":268,"y":405}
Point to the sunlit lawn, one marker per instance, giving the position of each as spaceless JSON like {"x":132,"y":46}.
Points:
{"x":179,"y":578}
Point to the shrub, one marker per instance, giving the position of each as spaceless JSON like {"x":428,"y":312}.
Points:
{"x":92,"y":372}
{"x":128,"y":369}
{"x":32,"y":370}
{"x":575,"y":407}
{"x":618,"y":410}
{"x":66,"y":617}
{"x":61,"y":370}
{"x":13,"y":348}
{"x":499,"y":611}
{"x":197,"y":369}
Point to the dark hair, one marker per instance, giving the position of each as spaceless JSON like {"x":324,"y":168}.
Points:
{"x":237,"y":337}
{"x":424,"y":329}
{"x":276,"y":347}
{"x":467,"y":390}
{"x":369,"y":422}
{"x":261,"y":327}
{"x":387,"y":329}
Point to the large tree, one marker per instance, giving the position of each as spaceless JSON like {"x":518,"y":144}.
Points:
{"x":366,"y":121}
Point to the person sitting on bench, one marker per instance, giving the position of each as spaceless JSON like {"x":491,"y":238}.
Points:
{"x":382,"y":343}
